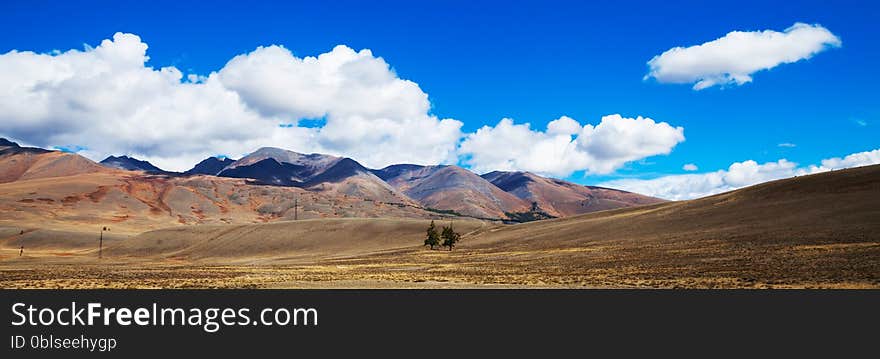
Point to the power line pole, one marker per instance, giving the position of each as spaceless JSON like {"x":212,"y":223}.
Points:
{"x":101,"y":242}
{"x":295,"y":209}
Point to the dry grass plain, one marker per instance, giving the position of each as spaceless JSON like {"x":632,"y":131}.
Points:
{"x":818,"y":231}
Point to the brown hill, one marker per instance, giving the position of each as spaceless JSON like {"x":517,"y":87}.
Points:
{"x":561,"y":198}
{"x":348,"y":178}
{"x":133,"y":202}
{"x":25,"y":163}
{"x":452,"y":188}
{"x":820,"y":230}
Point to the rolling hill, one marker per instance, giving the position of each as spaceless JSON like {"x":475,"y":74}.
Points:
{"x":561,"y":198}
{"x":67,"y":190}
{"x":27,"y":163}
{"x":819,"y":231}
{"x":133,"y":202}
{"x":64,"y":191}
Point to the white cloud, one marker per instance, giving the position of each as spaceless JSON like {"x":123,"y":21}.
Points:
{"x":106,"y":99}
{"x":689,"y":167}
{"x":564,"y":125}
{"x":787,"y":145}
{"x":733,"y":59}
{"x":738,"y":175}
{"x":567,"y":146}
{"x":618,"y":140}
{"x":371,"y":114}
{"x":341,"y":83}
{"x":853,"y":160}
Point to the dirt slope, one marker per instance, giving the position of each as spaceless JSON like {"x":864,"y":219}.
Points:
{"x":281,"y":241}
{"x":811,"y":229}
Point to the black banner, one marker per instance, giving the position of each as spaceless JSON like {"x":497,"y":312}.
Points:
{"x":457,"y":322}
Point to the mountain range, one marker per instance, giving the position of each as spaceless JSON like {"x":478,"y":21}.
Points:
{"x":210,"y":166}
{"x":421,"y":191}
{"x":129,"y":163}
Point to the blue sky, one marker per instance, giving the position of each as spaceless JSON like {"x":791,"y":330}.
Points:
{"x":533,"y":62}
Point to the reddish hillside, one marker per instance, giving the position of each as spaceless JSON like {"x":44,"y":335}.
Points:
{"x":24,"y":163}
{"x":133,"y":202}
{"x":452,"y":188}
{"x":561,"y":198}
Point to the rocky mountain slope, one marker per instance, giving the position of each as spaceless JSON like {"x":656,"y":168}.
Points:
{"x":452,"y":188}
{"x":129,"y":190}
{"x":129,"y":164}
{"x":561,"y":198}
{"x":210,"y":166}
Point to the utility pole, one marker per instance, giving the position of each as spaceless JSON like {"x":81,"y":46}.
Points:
{"x":101,"y":242}
{"x":295,"y":209}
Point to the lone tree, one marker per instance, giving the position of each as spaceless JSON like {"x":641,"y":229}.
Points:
{"x":432,"y":238}
{"x":450,"y":237}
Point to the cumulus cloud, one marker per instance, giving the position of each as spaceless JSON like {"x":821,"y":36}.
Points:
{"x":738,"y":175}
{"x":106,"y":99}
{"x":853,"y":160}
{"x":689,"y":167}
{"x":733,"y":59}
{"x":567,"y":146}
{"x":371,"y":114}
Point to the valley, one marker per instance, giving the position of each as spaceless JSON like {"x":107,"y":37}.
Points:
{"x":816,"y":231}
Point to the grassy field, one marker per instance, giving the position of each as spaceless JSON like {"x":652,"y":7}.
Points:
{"x":818,"y":231}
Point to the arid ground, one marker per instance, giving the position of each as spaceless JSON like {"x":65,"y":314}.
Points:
{"x":817,"y":231}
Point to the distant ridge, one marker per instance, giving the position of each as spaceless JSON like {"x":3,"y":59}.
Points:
{"x":316,"y":172}
{"x":7,"y":143}
{"x":129,"y":164}
{"x":210,"y":166}
{"x":452,"y":188}
{"x":562,"y":198}
{"x":9,"y":147}
{"x":268,"y":171}
{"x":440,"y":189}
